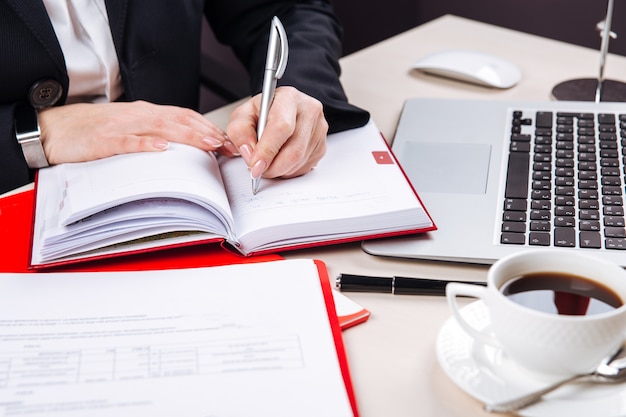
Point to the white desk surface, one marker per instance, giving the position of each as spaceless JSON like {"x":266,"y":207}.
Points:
{"x":392,"y":356}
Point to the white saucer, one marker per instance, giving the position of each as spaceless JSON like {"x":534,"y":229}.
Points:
{"x":488,"y":375}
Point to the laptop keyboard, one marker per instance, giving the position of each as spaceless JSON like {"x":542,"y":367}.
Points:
{"x":565,"y":180}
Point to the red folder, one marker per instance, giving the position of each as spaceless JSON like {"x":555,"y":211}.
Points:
{"x":336,"y":329}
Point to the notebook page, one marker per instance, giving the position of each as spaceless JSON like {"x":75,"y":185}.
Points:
{"x":181,"y":171}
{"x":346,"y":191}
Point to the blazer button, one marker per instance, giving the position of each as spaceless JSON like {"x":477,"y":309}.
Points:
{"x":45,"y":93}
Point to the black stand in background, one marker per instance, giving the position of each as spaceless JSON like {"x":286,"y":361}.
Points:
{"x":595,"y":89}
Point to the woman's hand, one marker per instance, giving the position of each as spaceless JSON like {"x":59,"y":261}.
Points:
{"x":293,"y":141}
{"x":83,"y":132}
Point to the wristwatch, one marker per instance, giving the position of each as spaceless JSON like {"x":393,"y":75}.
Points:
{"x":28,"y":136}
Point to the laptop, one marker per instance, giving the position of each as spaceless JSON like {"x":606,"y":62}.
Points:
{"x":565,"y":189}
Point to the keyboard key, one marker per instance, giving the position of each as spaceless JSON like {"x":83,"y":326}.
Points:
{"x":520,"y":147}
{"x":589,"y":214}
{"x":612,"y":200}
{"x":540,"y":226}
{"x":513,"y":238}
{"x":539,"y":239}
{"x":515,"y":204}
{"x":564,"y":211}
{"x":564,"y":181}
{"x":560,"y":190}
{"x":587,"y":166}
{"x":590,"y":240}
{"x":561,"y":144}
{"x":592,"y":225}
{"x":588,"y":184}
{"x":609,"y":153}
{"x":541,"y":194}
{"x":561,"y":200}
{"x":606,"y":128}
{"x":609,"y":171}
{"x":615,"y":232}
{"x":565,"y":162}
{"x":615,"y":243}
{"x":514,"y":216}
{"x":543,"y":119}
{"x":611,"y":181}
{"x":540,"y":215}
{"x":611,"y":190}
{"x":517,"y":175}
{"x":564,"y":172}
{"x":564,"y":237}
{"x":614,"y":221}
{"x":604,"y":118}
{"x":515,"y":227}
{"x":541,"y":204}
{"x":609,"y":162}
{"x":564,"y":221}
{"x":588,"y":194}
{"x":518,"y":137}
{"x":589,"y":204}
{"x":565,"y":153}
{"x":613,"y":211}
{"x":587,"y":175}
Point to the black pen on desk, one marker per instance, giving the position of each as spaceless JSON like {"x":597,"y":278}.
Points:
{"x":275,"y":64}
{"x":395,"y":285}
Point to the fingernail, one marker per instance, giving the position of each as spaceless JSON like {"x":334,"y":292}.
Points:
{"x":216,"y":143}
{"x":230,"y":147}
{"x":161,"y":144}
{"x":246,"y":153}
{"x":258,"y":169}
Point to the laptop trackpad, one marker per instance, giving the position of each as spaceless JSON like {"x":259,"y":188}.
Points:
{"x":447,"y":167}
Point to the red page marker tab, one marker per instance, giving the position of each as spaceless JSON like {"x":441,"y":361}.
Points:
{"x":382,"y":157}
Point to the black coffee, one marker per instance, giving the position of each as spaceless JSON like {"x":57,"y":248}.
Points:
{"x":559,"y":293}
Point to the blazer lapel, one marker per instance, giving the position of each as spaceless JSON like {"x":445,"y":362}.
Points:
{"x":116,"y":9}
{"x":35,"y":16}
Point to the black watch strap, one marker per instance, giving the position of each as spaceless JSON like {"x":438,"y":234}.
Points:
{"x":28,"y":135}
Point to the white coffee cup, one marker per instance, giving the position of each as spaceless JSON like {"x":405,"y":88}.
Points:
{"x":547,"y":343}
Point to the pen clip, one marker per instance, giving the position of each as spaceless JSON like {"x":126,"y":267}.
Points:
{"x":278,"y":40}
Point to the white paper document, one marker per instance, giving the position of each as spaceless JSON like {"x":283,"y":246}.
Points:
{"x":239,"y":340}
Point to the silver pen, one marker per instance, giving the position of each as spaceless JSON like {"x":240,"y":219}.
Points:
{"x":275,"y":64}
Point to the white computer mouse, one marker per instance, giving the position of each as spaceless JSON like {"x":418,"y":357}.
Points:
{"x":471,"y":66}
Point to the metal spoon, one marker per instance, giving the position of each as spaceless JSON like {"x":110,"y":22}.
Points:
{"x":611,"y":370}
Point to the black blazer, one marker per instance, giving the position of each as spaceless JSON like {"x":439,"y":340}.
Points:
{"x":158,"y":45}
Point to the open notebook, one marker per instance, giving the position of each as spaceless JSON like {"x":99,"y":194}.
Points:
{"x":504,"y":176}
{"x":145,"y":201}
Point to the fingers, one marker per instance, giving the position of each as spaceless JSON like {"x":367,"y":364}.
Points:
{"x":82,"y":132}
{"x":174,"y":124}
{"x":293,"y":141}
